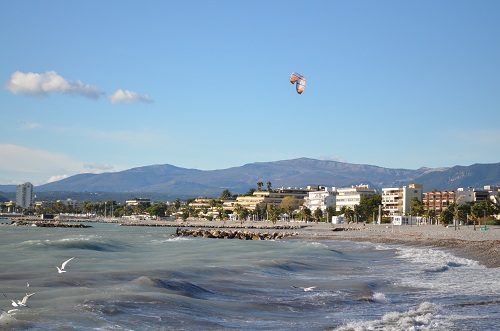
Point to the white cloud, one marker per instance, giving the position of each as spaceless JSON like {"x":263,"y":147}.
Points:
{"x":48,"y":83}
{"x":56,"y":178}
{"x":25,"y":164}
{"x":126,"y":96}
{"x":333,"y":158}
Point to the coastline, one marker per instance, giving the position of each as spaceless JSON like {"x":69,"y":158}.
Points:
{"x":479,"y":245}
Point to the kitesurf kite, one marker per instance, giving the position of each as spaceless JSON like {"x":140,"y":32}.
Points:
{"x":299,"y":80}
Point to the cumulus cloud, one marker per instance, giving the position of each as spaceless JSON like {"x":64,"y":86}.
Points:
{"x":126,"y":96}
{"x":47,"y":83}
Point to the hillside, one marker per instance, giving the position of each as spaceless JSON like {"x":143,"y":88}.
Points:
{"x":300,"y":172}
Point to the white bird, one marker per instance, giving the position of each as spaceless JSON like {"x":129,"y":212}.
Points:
{"x":10,"y":311}
{"x":25,"y":299}
{"x":14,"y":302}
{"x":306,"y":289}
{"x":19,"y":303}
{"x":61,"y":270}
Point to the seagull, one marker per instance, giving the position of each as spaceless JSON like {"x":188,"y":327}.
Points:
{"x":14,"y":302}
{"x":306,"y":289}
{"x":10,"y":311}
{"x":19,"y":303}
{"x":61,"y":270}
{"x":25,"y":299}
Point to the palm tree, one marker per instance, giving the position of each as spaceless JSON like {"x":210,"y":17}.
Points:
{"x":269,"y":186}
{"x":259,"y":186}
{"x":318,"y":213}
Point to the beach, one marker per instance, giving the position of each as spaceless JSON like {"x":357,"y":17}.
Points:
{"x":479,"y":244}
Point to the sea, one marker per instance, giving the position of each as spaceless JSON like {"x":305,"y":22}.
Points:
{"x":144,"y":278}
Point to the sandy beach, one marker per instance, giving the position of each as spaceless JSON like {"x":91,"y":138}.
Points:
{"x":479,"y":245}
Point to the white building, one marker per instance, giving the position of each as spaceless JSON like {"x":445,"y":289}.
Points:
{"x":351,"y":196}
{"x":464,"y":195}
{"x":397,"y":201}
{"x":24,"y":195}
{"x":321,"y":199}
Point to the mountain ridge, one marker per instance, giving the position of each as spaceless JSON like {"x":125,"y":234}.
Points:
{"x":300,"y":172}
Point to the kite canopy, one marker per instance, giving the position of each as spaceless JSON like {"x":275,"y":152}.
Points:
{"x":299,"y":80}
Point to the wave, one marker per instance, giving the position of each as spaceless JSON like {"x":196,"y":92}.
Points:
{"x":445,"y":267}
{"x":424,"y":317}
{"x":183,"y":288}
{"x":92,"y":243}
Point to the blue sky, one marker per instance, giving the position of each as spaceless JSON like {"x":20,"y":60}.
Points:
{"x":95,"y":86}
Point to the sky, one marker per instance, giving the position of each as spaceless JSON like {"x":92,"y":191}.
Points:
{"x":103,"y":86}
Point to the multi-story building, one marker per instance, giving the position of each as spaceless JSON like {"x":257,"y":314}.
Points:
{"x":438,"y":200}
{"x":351,"y":196}
{"x":24,"y":195}
{"x":494,"y":192}
{"x":397,"y":201}
{"x":321,"y":199}
{"x":469,"y":194}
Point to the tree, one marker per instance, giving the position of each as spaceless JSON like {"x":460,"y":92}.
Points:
{"x":330,"y":211}
{"x":250,"y":191}
{"x":259,"y":186}
{"x":269,"y":186}
{"x":369,"y":205}
{"x":446,"y":216}
{"x":242,"y":212}
{"x":416,"y":207}
{"x":177,"y":204}
{"x":225,"y":195}
{"x":307,"y":214}
{"x":287,"y":202}
{"x":272,"y":213}
{"x":348,"y":212}
{"x":318,"y":213}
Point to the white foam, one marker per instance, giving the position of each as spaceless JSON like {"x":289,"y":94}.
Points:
{"x":424,"y":317}
{"x":380,"y":297}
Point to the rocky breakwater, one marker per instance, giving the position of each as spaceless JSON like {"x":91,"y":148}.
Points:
{"x":233,"y":234}
{"x":43,"y":224}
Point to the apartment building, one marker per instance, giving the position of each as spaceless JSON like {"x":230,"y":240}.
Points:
{"x":438,"y":200}
{"x":351,"y":196}
{"x":469,"y":194}
{"x":24,"y":195}
{"x":397,"y":200}
{"x":323,"y":198}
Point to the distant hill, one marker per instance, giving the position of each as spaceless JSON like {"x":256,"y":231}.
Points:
{"x":300,"y":172}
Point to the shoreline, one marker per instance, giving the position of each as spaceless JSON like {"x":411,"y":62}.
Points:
{"x":479,"y":245}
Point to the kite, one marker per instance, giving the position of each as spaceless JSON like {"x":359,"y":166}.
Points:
{"x":299,"y":80}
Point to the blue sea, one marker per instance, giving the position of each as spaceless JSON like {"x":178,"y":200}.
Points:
{"x":143,"y":278}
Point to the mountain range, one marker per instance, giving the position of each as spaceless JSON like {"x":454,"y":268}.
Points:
{"x":301,"y":172}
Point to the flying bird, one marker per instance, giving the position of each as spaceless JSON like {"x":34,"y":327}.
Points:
{"x":10,"y":311}
{"x":25,"y":299}
{"x":61,"y":270}
{"x":19,"y":303}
